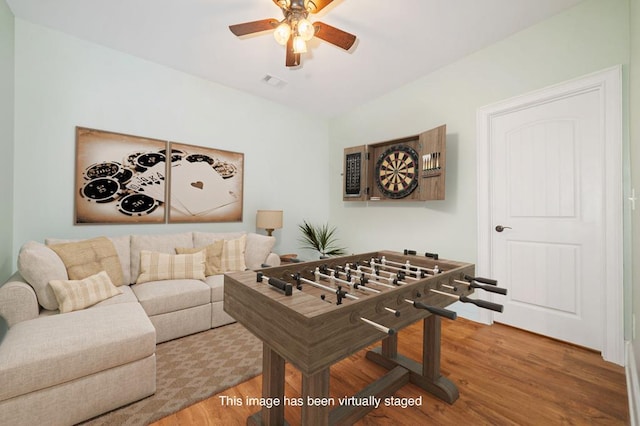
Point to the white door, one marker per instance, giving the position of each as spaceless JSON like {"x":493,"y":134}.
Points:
{"x":547,"y":202}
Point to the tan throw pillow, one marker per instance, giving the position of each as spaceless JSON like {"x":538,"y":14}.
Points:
{"x":233,"y":255}
{"x":88,"y":257}
{"x":156,"y":266}
{"x":213,"y":256}
{"x":74,"y":295}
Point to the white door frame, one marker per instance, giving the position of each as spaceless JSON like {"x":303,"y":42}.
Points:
{"x":609,"y":85}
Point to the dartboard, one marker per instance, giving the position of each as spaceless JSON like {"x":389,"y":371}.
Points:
{"x":397,"y":171}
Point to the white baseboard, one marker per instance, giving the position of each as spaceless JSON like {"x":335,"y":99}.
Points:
{"x":633,"y":385}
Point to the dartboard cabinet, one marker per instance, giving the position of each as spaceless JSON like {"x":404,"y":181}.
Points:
{"x":409,"y":169}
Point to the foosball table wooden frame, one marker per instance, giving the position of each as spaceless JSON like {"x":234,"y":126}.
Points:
{"x":313,"y":326}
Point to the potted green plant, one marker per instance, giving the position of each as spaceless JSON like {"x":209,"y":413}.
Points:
{"x":320,"y":238}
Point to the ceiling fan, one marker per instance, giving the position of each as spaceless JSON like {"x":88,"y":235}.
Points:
{"x":295,"y":29}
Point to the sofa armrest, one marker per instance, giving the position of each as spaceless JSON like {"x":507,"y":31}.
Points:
{"x":18,"y":301}
{"x":272,"y":260}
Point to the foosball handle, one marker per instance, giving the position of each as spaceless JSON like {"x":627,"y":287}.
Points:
{"x":282,"y":285}
{"x":482,"y":303}
{"x":409,"y":252}
{"x":481,"y":280}
{"x":435,"y":310}
{"x":434,"y":256}
{"x":489,"y":288}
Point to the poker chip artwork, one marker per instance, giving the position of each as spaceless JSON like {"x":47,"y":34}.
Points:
{"x":126,"y":179}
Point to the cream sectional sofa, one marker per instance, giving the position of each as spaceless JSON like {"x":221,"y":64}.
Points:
{"x":64,"y":368}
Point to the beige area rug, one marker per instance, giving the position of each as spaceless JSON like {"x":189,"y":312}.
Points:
{"x":191,"y":369}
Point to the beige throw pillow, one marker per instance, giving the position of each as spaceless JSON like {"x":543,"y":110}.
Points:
{"x":233,"y":255}
{"x":74,"y":295}
{"x":156,"y":266}
{"x":88,"y":257}
{"x":258,"y":248}
{"x":213,"y":256}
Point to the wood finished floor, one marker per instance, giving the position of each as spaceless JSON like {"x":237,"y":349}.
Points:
{"x":505,"y":377}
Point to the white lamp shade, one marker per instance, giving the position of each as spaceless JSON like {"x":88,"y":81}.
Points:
{"x":269,"y":219}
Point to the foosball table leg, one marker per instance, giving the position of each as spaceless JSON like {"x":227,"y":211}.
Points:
{"x":390,"y":346}
{"x":316,"y":387}
{"x":273,"y":369}
{"x":426,"y":376}
{"x":431,"y":379}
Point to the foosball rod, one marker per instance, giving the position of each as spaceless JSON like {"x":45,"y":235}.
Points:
{"x":414,"y":253}
{"x":393,"y":277}
{"x":380,"y":327}
{"x":327,"y":288}
{"x":433,"y":309}
{"x":404,"y":270}
{"x":464,"y":299}
{"x":349,"y":283}
{"x":401,"y":271}
{"x":485,"y":287}
{"x":375,"y":278}
{"x":435,"y":270}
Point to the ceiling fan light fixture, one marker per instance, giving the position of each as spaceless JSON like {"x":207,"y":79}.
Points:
{"x":306,"y":29}
{"x":299,"y":45}
{"x":282,"y":33}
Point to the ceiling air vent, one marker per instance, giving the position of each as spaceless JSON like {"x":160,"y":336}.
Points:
{"x":274,"y":81}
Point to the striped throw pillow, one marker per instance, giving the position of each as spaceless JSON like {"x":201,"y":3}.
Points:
{"x":213,"y":256}
{"x":74,"y":295}
{"x":233,"y":254}
{"x":156,"y":266}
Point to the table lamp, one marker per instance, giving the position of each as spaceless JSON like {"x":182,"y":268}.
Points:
{"x":269,"y":220}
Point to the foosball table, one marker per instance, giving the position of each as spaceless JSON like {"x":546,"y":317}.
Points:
{"x":314,"y":314}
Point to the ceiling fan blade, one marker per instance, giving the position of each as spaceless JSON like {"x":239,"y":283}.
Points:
{"x":316,"y":6}
{"x":253,"y":27}
{"x":334,"y":36}
{"x":293,"y":59}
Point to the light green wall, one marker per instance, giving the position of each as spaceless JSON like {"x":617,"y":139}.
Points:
{"x":6,"y":140}
{"x":62,"y":82}
{"x":589,"y":37}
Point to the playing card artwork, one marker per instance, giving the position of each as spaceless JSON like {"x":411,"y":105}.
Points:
{"x":205,"y":184}
{"x":119,"y":178}
{"x":130,"y":179}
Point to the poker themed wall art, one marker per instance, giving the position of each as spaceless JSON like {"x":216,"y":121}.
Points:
{"x":130,"y":179}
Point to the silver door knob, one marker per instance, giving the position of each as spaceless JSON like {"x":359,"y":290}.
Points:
{"x":501,"y":228}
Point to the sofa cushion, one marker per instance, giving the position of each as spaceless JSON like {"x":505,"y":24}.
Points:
{"x":122,"y":245}
{"x":216,"y":283}
{"x":156,"y":266}
{"x":74,"y":295}
{"x":258,"y":248}
{"x":165,"y":243}
{"x":213,"y":256}
{"x":45,"y":352}
{"x":160,"y":297}
{"x":38,"y":264}
{"x":88,"y":257}
{"x":233,"y":254}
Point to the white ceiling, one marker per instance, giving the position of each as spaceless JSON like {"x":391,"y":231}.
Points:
{"x":398,"y":40}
